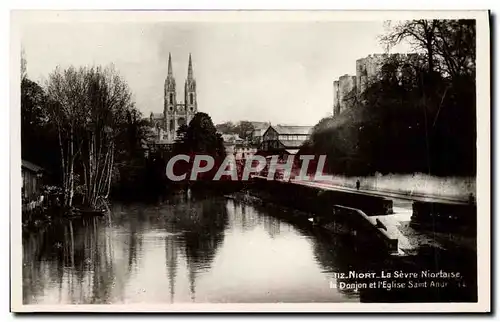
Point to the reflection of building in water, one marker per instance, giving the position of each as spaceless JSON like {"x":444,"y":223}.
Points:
{"x":171,"y":262}
{"x":134,"y":242}
{"x":272,"y":226}
{"x":242,"y":215}
{"x":200,"y":225}
{"x":191,"y":266}
{"x":172,"y":245}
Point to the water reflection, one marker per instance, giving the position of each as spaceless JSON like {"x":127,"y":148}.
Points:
{"x":183,"y":249}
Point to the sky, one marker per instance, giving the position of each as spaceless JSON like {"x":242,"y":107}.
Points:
{"x":278,"y":72}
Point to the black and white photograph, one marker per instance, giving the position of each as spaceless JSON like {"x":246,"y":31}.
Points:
{"x":250,"y":161}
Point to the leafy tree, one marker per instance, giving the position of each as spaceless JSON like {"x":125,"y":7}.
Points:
{"x":201,"y":137}
{"x":33,"y":103}
{"x":180,"y":145}
{"x":226,"y":128}
{"x":245,"y":129}
{"x":38,"y":138}
{"x":130,"y":162}
{"x":182,"y":133}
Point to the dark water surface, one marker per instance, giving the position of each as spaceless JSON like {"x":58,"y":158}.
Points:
{"x":183,"y":250}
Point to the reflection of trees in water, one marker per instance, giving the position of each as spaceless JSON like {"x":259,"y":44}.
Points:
{"x":33,"y":272}
{"x":77,"y":257}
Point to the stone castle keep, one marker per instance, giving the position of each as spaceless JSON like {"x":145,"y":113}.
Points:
{"x":175,"y":113}
{"x":367,"y":69}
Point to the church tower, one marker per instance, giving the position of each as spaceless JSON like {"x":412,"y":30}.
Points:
{"x":177,"y":113}
{"x":190,"y":93}
{"x":170,"y":101}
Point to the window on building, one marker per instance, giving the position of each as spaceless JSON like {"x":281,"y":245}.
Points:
{"x":190,"y":98}
{"x":171,"y":98}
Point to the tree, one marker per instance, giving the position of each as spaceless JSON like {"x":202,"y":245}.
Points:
{"x":33,"y":103}
{"x":455,"y":46}
{"x":449,"y":45}
{"x":421,"y":35}
{"x":33,"y":116}
{"x":202,"y":137}
{"x":182,"y":133}
{"x":38,"y":138}
{"x":448,"y":89}
{"x":67,"y":103}
{"x":226,"y":128}
{"x":89,"y":107}
{"x":409,"y":120}
{"x":180,"y":145}
{"x":245,"y":129}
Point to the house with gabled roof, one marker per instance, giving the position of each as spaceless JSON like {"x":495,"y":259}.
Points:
{"x":31,"y":183}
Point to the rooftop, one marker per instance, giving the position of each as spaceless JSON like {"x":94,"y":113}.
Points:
{"x":260,"y":125}
{"x":293,"y":144}
{"x":31,"y":166}
{"x":293,"y":129}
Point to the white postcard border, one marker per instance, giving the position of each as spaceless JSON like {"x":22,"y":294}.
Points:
{"x":19,"y":18}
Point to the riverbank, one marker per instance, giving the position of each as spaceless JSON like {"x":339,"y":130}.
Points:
{"x":425,"y":256}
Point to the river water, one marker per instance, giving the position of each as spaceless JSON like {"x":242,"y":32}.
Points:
{"x":184,"y":249}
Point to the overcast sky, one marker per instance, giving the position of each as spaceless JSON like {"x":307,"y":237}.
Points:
{"x":280,"y":72}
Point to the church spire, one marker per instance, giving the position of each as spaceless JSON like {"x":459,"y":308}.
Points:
{"x":169,"y":65}
{"x":190,"y":68}
{"x":23,"y":63}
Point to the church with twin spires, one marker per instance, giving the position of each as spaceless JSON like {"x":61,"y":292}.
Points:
{"x":175,"y":113}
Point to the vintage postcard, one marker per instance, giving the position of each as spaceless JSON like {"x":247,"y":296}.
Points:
{"x":250,"y":161}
